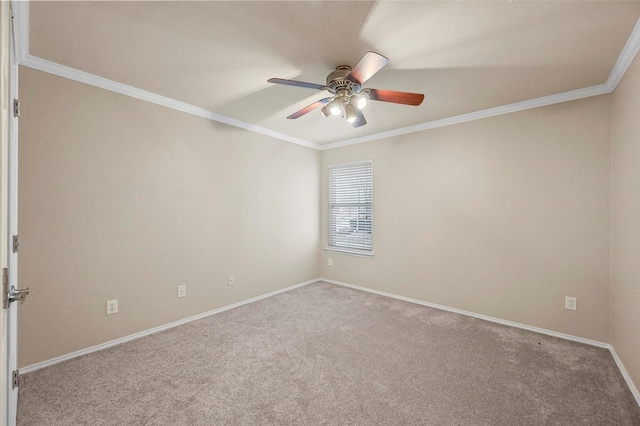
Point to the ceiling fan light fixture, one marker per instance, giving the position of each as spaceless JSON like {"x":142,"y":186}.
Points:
{"x":325,"y":111}
{"x":359,"y":100}
{"x":335,"y":106}
{"x":349,"y":113}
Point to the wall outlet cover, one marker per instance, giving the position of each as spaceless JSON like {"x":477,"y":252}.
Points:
{"x":182,"y":290}
{"x":112,"y":307}
{"x":571,"y":303}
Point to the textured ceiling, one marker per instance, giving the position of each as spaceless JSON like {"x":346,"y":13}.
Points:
{"x":464,"y":56}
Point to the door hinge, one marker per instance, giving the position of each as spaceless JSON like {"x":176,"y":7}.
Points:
{"x":16,"y":107}
{"x":16,"y":243}
{"x":16,"y":378}
{"x":5,"y":288}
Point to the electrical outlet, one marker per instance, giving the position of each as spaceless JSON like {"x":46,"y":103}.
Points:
{"x":112,"y":307}
{"x":182,"y":290}
{"x":230,"y":280}
{"x":330,"y":262}
{"x":571,"y":303}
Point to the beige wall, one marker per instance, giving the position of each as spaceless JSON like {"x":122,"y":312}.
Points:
{"x":504,"y":217}
{"x":123,"y":199}
{"x":625,"y":283}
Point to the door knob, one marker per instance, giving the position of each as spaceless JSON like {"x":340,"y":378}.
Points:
{"x":11,"y":294}
{"x":16,"y":294}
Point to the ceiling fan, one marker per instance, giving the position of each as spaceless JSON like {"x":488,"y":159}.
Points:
{"x":348,"y":97}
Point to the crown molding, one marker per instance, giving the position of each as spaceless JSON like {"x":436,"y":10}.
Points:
{"x":572,"y":95}
{"x":629,"y":52}
{"x":626,"y":57}
{"x":123,"y":89}
{"x":20,"y":12}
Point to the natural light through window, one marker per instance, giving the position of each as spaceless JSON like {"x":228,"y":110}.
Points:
{"x":351,"y":208}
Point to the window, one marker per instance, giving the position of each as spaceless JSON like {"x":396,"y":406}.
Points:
{"x":351,"y":208}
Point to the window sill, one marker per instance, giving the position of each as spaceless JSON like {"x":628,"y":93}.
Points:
{"x":349,"y":252}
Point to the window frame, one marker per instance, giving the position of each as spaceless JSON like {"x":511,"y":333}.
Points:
{"x":361,"y":252}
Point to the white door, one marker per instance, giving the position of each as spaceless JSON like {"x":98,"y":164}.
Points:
{"x":8,"y":218}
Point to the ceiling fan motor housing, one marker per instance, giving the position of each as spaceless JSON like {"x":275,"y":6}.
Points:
{"x":337,"y":80}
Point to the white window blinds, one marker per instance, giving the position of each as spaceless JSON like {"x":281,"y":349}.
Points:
{"x":351,"y":206}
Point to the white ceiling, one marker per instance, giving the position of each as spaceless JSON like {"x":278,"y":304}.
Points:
{"x":464,"y":56}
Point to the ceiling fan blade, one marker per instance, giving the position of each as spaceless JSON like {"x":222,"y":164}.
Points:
{"x":370,"y":64}
{"x":295,"y":83}
{"x":360,"y":121}
{"x":405,"y":98}
{"x":309,"y":108}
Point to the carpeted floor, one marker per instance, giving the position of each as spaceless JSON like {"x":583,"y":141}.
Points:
{"x":329,"y":355}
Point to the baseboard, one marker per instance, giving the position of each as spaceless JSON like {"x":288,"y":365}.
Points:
{"x":101,"y":346}
{"x":627,"y":378}
{"x":617,"y":360}
{"x":473,"y":314}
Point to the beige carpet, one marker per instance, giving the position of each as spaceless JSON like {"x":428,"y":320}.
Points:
{"x":328,"y":355}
